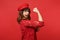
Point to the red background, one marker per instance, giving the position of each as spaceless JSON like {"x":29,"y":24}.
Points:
{"x":50,"y":10}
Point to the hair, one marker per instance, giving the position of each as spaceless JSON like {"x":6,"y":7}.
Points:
{"x":20,"y":16}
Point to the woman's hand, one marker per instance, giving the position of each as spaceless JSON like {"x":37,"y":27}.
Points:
{"x":35,"y":10}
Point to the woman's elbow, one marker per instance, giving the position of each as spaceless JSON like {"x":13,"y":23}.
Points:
{"x":41,"y":24}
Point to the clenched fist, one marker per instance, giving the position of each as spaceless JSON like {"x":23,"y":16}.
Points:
{"x":35,"y":10}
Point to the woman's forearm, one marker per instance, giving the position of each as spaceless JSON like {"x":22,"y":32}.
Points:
{"x":39,"y":14}
{"x":40,"y":17}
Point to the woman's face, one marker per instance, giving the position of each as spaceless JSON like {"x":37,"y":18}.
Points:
{"x":25,"y":14}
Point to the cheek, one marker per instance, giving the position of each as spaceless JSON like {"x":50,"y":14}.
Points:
{"x":23,"y":13}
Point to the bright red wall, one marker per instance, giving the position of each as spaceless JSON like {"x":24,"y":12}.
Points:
{"x":50,"y":10}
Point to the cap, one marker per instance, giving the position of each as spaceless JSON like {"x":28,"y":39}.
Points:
{"x":22,"y":6}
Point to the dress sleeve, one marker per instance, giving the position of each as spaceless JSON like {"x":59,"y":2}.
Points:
{"x":33,"y":24}
{"x":38,"y":23}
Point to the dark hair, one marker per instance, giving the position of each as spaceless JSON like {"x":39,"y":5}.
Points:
{"x":20,"y":16}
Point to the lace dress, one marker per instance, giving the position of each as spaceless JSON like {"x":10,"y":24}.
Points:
{"x":29,"y":29}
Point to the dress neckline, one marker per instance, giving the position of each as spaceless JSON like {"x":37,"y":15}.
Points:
{"x":24,"y":19}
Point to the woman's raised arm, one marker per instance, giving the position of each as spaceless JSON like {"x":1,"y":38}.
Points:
{"x":39,"y":14}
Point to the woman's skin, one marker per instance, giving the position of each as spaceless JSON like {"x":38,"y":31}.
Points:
{"x":26,"y":13}
{"x":39,"y":14}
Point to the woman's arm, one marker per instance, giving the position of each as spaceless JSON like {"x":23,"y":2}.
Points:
{"x":39,"y":14}
{"x":40,"y":21}
{"x":40,"y":17}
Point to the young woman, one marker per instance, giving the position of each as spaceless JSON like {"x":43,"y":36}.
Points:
{"x":28,"y":27}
